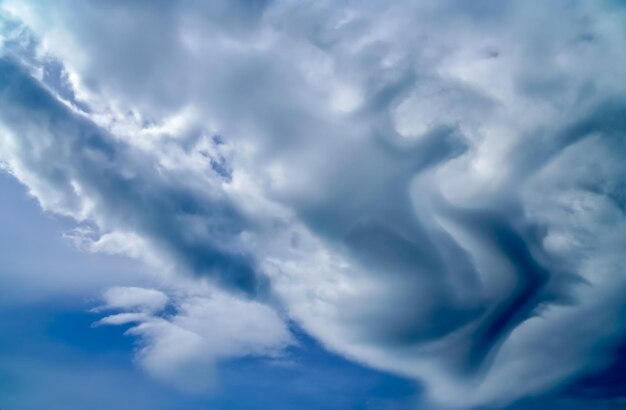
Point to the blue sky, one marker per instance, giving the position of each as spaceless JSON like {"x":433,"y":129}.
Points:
{"x":325,"y":205}
{"x":52,"y":356}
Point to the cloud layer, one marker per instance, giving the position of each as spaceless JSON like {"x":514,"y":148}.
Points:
{"x":433,"y":189}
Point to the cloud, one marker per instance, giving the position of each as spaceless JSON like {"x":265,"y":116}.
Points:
{"x":433,"y":189}
{"x":183,"y":347}
{"x":89,"y":165}
{"x":133,"y":298}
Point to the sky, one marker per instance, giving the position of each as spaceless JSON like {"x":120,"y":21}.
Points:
{"x":294,"y":204}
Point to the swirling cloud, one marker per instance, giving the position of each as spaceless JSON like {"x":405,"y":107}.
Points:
{"x":431,"y":188}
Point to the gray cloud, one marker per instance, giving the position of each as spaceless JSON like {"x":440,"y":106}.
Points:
{"x":78,"y":165}
{"x":433,"y":189}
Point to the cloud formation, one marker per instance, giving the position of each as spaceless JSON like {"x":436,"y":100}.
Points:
{"x":434,"y":189}
{"x":182,"y":347}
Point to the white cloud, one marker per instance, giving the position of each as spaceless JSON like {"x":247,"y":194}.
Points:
{"x":183,"y":348}
{"x":134,"y":298}
{"x":400,"y":178}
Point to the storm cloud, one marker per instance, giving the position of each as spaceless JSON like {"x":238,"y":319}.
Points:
{"x":434,"y":189}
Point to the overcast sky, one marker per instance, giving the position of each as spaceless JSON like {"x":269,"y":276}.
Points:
{"x":292,"y":204}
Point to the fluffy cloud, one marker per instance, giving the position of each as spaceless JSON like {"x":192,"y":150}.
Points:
{"x":434,"y":189}
{"x":182,"y":347}
{"x":133,"y":298}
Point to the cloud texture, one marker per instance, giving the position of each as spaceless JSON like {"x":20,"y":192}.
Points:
{"x":183,"y":347}
{"x":435,"y":189}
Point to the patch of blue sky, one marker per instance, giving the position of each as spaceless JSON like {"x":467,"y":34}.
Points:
{"x":52,"y":357}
